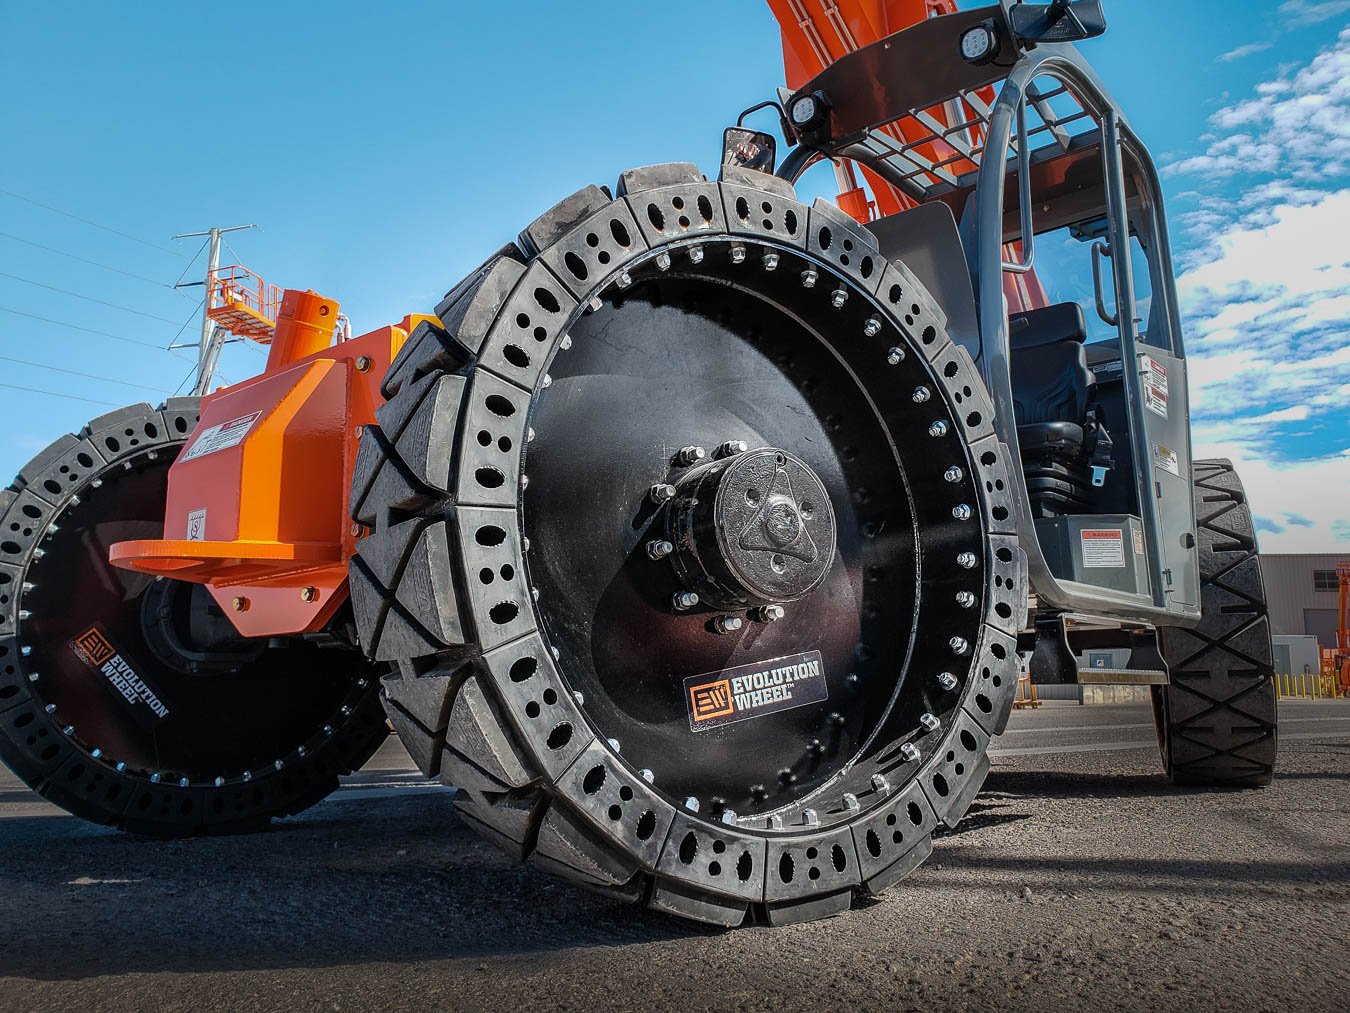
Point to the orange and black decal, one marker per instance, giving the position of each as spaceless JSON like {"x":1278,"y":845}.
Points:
{"x":751,"y":691}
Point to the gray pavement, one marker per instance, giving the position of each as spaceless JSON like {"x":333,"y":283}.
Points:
{"x":1079,"y":879}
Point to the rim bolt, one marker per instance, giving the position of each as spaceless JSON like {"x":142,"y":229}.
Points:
{"x":33,"y":677}
{"x":247,"y":775}
{"x":696,"y":254}
{"x":25,"y":650}
{"x":309,"y":594}
{"x":547,"y":382}
{"x":879,"y":783}
{"x":809,"y":818}
{"x":220,"y":782}
{"x":613,"y":744}
{"x":938,"y":428}
{"x":921,"y":394}
{"x":358,"y":530}
{"x":97,"y":754}
{"x":728,"y":815}
{"x":738,"y":254}
{"x":647,"y":775}
{"x":659,"y":549}
{"x":768,"y":614}
{"x":961,"y":512}
{"x":529,"y":435}
{"x":691,"y":804}
{"x":579,"y":697}
{"x":872,"y":328}
{"x":770,"y":262}
{"x":68,"y":730}
{"x":565,"y":342}
{"x":363,"y":363}
{"x":50,"y":708}
{"x":662,"y":493}
{"x":959,"y":645}
{"x":953,"y":474}
{"x":690,"y":455}
{"x":239,"y":603}
{"x":895,"y":356}
{"x":731,"y":448}
{"x":726,"y":624}
{"x":25,"y":614}
{"x":683,"y":601}
{"x":39,"y":553}
{"x":625,"y":279}
{"x":809,"y":277}
{"x":966,"y":560}
{"x":775,"y":823}
{"x":910,"y":752}
{"x":965,"y":599}
{"x":930,"y":722}
{"x":851,"y":802}
{"x":663,"y":262}
{"x":838,"y":297}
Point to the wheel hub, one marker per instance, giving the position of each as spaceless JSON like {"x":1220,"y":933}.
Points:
{"x":751,"y":530}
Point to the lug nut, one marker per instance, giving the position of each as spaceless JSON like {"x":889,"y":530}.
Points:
{"x":770,"y":261}
{"x":947,"y":681}
{"x":726,"y":624}
{"x":810,"y":818}
{"x":691,"y":804}
{"x":965,"y":599}
{"x":959,"y":645}
{"x":659,"y":494}
{"x":363,"y":363}
{"x":683,"y":601}
{"x":895,"y":356}
{"x":961,"y":512}
{"x":953,"y":474}
{"x":613,"y":744}
{"x":663,"y":262}
{"x":838,"y":297}
{"x":731,"y":448}
{"x":565,"y":342}
{"x":930,"y":722}
{"x":910,"y":752}
{"x":851,"y":802}
{"x":239,"y":603}
{"x":879,"y":783}
{"x":358,"y":530}
{"x":647,"y":775}
{"x":938,"y":428}
{"x":809,"y":277}
{"x":309,"y":594}
{"x":966,"y":560}
{"x":768,"y":614}
{"x":686,"y":456}
{"x":738,"y":254}
{"x":696,"y":254}
{"x":659,"y":549}
{"x":921,"y":394}
{"x":872,"y":328}
{"x":728,"y":816}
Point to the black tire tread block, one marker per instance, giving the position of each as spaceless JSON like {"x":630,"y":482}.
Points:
{"x":1217,"y":719}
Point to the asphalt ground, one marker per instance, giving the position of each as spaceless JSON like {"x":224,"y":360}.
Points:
{"x":1079,"y":880}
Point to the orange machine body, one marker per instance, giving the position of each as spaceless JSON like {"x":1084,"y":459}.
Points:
{"x":257,"y":501}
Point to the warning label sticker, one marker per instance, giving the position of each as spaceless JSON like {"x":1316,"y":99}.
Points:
{"x":751,"y":691}
{"x":1166,"y":459}
{"x":97,"y":651}
{"x":1155,"y":386}
{"x":196,"y":525}
{"x":1138,"y":541}
{"x":1103,"y":546}
{"x":220,"y":437}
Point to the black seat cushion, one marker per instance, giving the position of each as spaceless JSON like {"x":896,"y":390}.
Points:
{"x":1050,"y":378}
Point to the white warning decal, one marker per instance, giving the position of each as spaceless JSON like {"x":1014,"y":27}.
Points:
{"x":1155,"y":386}
{"x":196,"y":525}
{"x":1166,"y":459}
{"x":1103,"y":546}
{"x":220,"y":437}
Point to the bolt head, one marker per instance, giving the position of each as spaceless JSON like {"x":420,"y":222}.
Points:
{"x":663,"y":262}
{"x":661,"y":493}
{"x":696,"y":254}
{"x":965,"y":599}
{"x":947,"y":681}
{"x":930,"y":722}
{"x":738,"y":254}
{"x":731,"y":448}
{"x":691,"y":804}
{"x":728,"y":816}
{"x":239,"y":603}
{"x":659,"y":549}
{"x":838,"y":297}
{"x":961,"y":512}
{"x":959,"y":645}
{"x":879,"y":783}
{"x":910,"y":752}
{"x":727,"y":624}
{"x":309,"y":594}
{"x":966,"y":560}
{"x":769,"y":614}
{"x":809,"y":277}
{"x":686,"y":456}
{"x":770,"y":261}
{"x":363,"y":363}
{"x":684,"y":600}
{"x":953,"y":474}
{"x":872,"y":328}
{"x":938,"y":428}
{"x":921,"y":394}
{"x":895,"y":356}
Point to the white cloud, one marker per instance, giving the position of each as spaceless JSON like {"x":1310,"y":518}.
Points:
{"x":1250,"y":49}
{"x":1309,"y":12}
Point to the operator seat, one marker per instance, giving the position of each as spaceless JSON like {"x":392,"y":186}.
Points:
{"x":1065,"y":449}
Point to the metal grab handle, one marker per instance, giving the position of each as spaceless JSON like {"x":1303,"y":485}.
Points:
{"x":1100,"y":250}
{"x":1023,"y":195}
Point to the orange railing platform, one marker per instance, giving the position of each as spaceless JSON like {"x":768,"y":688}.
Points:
{"x":242,"y":303}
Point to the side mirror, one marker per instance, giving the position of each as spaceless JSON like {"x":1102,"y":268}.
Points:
{"x":1061,"y":21}
{"x":749,"y":149}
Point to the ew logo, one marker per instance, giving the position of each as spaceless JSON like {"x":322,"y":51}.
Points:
{"x":711,"y":700}
{"x":92,"y":647}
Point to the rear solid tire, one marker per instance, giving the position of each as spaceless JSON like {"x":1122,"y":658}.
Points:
{"x":1217,"y":719}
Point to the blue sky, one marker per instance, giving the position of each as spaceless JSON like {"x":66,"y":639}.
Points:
{"x":384,"y":151}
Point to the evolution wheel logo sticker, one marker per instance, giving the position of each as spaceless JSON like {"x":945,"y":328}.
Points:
{"x":95,"y":649}
{"x":751,"y":691}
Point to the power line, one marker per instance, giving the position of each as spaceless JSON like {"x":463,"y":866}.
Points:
{"x":76,"y":295}
{"x":97,"y":225}
{"x":87,"y":330}
{"x":52,"y":393}
{"x":84,"y":260}
{"x":75,"y":372}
